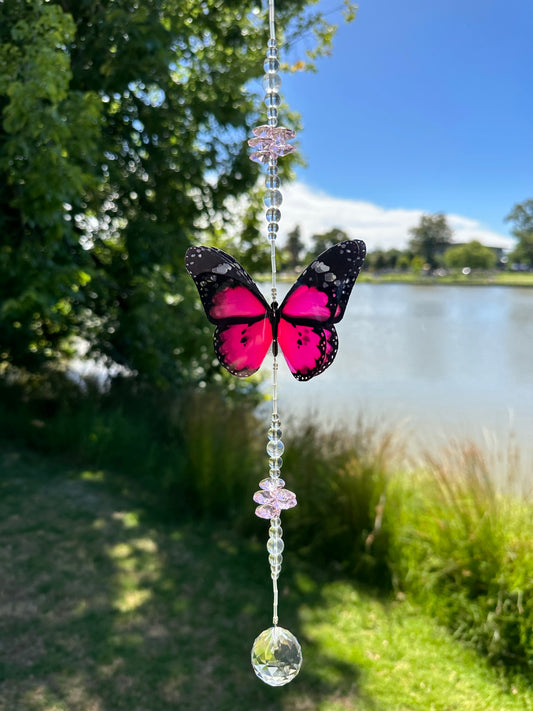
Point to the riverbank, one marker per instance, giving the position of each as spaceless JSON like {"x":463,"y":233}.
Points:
{"x":516,"y":279}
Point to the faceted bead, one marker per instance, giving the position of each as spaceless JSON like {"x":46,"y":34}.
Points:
{"x":273,"y":214}
{"x":282,"y":149}
{"x":266,"y":511}
{"x":264,"y":497}
{"x":276,"y":656}
{"x":271,"y":65}
{"x":270,"y":484}
{"x":271,"y":83}
{"x":272,"y":99}
{"x":275,"y":448}
{"x":275,"y":546}
{"x":274,"y":433}
{"x":260,"y":157}
{"x":273,"y":198}
{"x":286,"y":499}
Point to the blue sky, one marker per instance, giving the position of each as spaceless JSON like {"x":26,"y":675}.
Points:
{"x":424,"y":106}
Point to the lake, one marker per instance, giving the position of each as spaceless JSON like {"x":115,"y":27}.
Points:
{"x":439,"y":361}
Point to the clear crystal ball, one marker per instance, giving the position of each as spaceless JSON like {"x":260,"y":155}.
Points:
{"x":276,"y":656}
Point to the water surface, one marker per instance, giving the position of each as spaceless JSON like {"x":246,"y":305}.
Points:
{"x":442,"y":361}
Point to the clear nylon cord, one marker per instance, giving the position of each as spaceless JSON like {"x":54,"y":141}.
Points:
{"x":272,"y":30}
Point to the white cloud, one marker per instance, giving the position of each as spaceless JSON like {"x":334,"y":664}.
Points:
{"x":379,"y":227}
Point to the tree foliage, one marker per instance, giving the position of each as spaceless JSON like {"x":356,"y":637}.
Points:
{"x":294,"y":248}
{"x":522,"y":217}
{"x":323,"y":241}
{"x":473,"y":255}
{"x":122,"y":141}
{"x":430,"y":238}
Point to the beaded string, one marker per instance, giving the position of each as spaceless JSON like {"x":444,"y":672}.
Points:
{"x":276,"y":655}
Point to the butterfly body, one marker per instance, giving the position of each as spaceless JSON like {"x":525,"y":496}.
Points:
{"x":303,"y":326}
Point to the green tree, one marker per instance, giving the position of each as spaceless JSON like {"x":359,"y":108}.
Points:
{"x":294,"y":248}
{"x":430,"y":238}
{"x":122,"y":140}
{"x":473,"y":254}
{"x":522,"y":217}
{"x":321,"y":242}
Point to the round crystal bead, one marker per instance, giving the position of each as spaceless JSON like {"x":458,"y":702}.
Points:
{"x":275,"y":416}
{"x":273,"y":532}
{"x":275,"y":463}
{"x":275,"y":546}
{"x":272,"y":182}
{"x":273,"y":198}
{"x":275,"y":448}
{"x":271,"y":65}
{"x":273,"y":214}
{"x":272,"y":100}
{"x":276,"y":656}
{"x":271,"y":82}
{"x":273,"y":169}
{"x":273,"y":227}
{"x":272,"y":115}
{"x":275,"y":560}
{"x":274,"y":433}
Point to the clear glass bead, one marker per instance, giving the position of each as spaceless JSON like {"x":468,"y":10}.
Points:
{"x":273,"y":214}
{"x":272,"y":182}
{"x":271,"y":65}
{"x":273,"y":198}
{"x":273,"y":169}
{"x":276,"y":656}
{"x":275,"y":559}
{"x":273,"y":227}
{"x":276,"y":522}
{"x":272,"y":116}
{"x":275,"y":545}
{"x":271,"y":83}
{"x":275,"y":448}
{"x":275,"y":416}
{"x":274,"y":433}
{"x":272,"y":42}
{"x":275,"y":531}
{"x":272,"y":100}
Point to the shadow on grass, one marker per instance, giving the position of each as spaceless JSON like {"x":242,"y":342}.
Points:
{"x":103,"y":609}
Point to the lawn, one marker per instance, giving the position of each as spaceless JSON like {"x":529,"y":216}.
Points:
{"x":105,"y":607}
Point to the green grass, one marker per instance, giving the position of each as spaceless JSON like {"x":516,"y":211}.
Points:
{"x":106,"y":608}
{"x":523,"y":279}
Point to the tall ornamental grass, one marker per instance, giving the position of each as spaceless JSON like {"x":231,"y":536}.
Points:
{"x":465,"y":549}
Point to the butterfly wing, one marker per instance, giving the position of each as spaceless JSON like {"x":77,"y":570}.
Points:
{"x":318,"y":299}
{"x":232,"y":302}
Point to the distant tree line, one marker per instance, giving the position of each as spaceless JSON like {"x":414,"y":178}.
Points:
{"x":430,"y":247}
